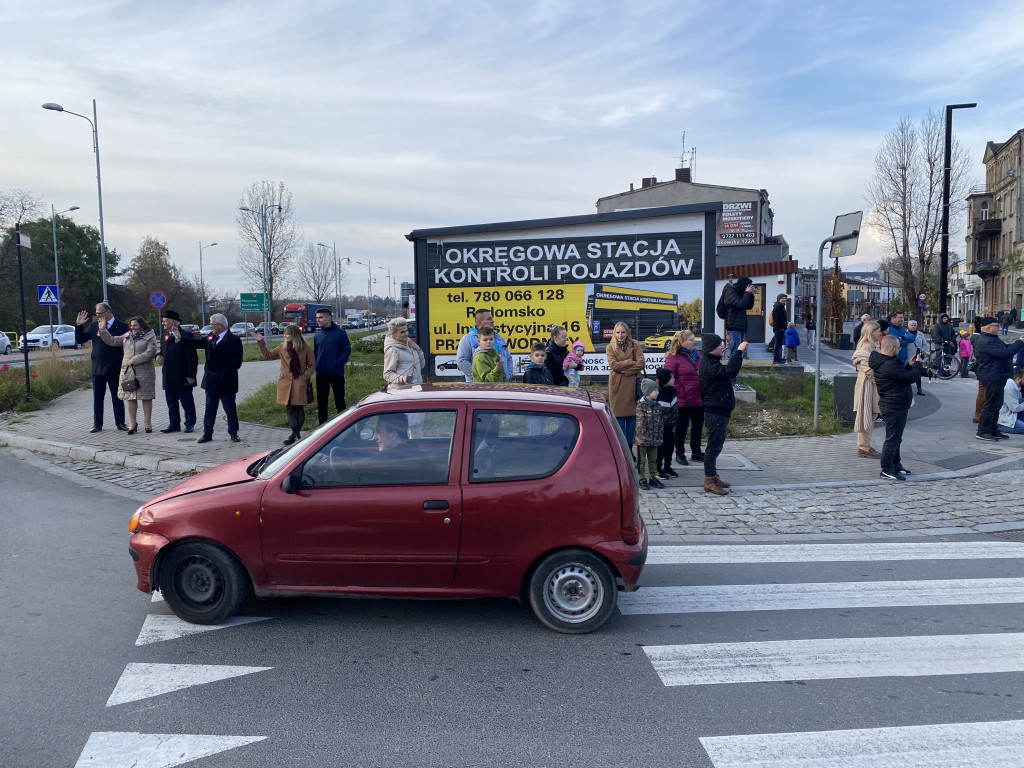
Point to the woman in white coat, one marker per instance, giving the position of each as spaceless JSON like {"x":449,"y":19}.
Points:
{"x":403,"y":364}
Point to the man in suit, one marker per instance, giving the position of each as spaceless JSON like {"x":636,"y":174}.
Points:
{"x":220,"y":374}
{"x":180,"y":364}
{"x":106,"y":362}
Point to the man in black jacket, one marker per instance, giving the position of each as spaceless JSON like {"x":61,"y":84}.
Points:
{"x":995,"y":366}
{"x":719,"y":400}
{"x":738,"y":297}
{"x":106,"y":362}
{"x":180,"y":364}
{"x":894,"y":382}
{"x":780,"y":320}
{"x":220,"y":375}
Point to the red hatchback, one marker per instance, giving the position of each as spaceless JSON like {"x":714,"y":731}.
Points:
{"x":437,"y":490}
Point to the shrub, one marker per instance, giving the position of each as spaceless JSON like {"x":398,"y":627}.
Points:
{"x":50,"y":377}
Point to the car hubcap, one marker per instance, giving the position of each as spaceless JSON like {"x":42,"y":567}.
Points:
{"x":199,"y":580}
{"x":574,"y":593}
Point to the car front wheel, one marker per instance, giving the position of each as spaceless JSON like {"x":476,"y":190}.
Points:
{"x":202,"y":583}
{"x":572,"y":591}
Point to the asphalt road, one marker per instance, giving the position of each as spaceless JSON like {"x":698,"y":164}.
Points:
{"x":827,"y":646}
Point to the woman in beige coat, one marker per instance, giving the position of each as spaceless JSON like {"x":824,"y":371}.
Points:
{"x":139,"y":349}
{"x":865,"y":393}
{"x":297,"y":366}
{"x":626,"y":361}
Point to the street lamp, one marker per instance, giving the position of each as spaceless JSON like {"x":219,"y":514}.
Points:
{"x":265,"y":249}
{"x":99,"y":186}
{"x":391,"y":282}
{"x":944,"y":253}
{"x":337,"y":275}
{"x":202,"y":285}
{"x":56,"y":269}
{"x":369,"y":287}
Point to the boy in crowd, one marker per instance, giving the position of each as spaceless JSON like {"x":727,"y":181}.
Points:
{"x":650,"y":427}
{"x":894,"y":381}
{"x":488,"y":365}
{"x":536,"y":372}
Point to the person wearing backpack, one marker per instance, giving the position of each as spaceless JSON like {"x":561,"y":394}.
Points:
{"x":732,"y":307}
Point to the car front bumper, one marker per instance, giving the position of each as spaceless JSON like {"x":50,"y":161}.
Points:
{"x":144,"y":547}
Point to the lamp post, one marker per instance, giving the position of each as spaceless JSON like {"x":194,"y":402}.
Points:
{"x":99,"y":186}
{"x":202,"y":285}
{"x":337,"y":275}
{"x":56,"y":269}
{"x":390,"y":283}
{"x":944,"y":253}
{"x":369,"y":288}
{"x":265,"y":250}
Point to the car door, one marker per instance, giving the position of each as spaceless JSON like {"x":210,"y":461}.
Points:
{"x":367,"y":516}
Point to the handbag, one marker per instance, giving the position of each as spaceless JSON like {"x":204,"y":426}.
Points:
{"x":132,"y":384}
{"x":309,"y":393}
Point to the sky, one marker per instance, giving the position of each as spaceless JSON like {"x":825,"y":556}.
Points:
{"x":386,"y":117}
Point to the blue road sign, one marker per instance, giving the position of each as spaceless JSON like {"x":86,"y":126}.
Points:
{"x":48,"y":295}
{"x":158,"y":299}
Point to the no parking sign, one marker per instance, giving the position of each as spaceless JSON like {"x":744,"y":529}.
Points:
{"x":158,"y":299}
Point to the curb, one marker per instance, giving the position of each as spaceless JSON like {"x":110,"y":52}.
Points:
{"x":147,"y":461}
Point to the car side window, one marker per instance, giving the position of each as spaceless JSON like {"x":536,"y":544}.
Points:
{"x":393,"y":448}
{"x":520,"y":445}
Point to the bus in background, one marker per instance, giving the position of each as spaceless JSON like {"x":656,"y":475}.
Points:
{"x":303,"y":315}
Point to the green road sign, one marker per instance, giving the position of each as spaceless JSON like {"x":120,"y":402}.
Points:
{"x":253,"y":302}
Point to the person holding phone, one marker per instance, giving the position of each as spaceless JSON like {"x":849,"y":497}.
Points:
{"x":895,"y":382}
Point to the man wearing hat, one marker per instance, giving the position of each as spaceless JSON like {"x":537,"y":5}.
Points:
{"x":718,"y":400}
{"x":995,"y":365}
{"x":180,"y":364}
{"x":779,"y":320}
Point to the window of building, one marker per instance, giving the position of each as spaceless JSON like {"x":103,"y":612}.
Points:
{"x":520,"y":445}
{"x":984,"y":211}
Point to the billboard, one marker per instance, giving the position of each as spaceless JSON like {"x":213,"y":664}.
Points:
{"x":738,"y":224}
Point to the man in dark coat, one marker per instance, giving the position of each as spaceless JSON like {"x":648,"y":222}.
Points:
{"x":220,"y":375}
{"x":106,"y":362}
{"x":180,"y":364}
{"x":894,"y":381}
{"x":780,"y":320}
{"x":718,"y":400}
{"x":858,"y":328}
{"x":738,"y":297}
{"x":331,"y":349}
{"x":995,"y":366}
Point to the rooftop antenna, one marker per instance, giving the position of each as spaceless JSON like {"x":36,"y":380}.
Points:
{"x":688,"y":158}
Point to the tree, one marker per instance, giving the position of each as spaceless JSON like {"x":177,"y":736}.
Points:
{"x":152,"y":270}
{"x":315,"y":273}
{"x":690,"y":314}
{"x":16,"y":205}
{"x":905,"y":198}
{"x":283,"y":234}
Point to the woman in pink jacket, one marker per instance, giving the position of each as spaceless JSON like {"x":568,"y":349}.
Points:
{"x":683,"y":360}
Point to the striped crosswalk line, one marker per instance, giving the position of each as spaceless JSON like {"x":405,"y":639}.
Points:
{"x":818,"y":553}
{"x":853,"y":594}
{"x":952,"y":745}
{"x":844,"y":657}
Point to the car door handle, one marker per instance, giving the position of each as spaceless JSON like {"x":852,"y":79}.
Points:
{"x":435,"y":504}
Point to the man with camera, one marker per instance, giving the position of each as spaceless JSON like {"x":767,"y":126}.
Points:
{"x":894,"y":382}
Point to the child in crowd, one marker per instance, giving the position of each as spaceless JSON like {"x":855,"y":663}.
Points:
{"x":536,"y":372}
{"x":649,"y":434}
{"x":667,"y":400}
{"x":487,"y":363}
{"x":792,"y":342}
{"x":966,"y":353}
{"x":573,"y":364}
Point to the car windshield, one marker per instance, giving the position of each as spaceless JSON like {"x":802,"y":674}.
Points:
{"x":274,"y":466}
{"x":44,"y":329}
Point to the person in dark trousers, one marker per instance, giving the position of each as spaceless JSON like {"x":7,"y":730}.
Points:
{"x":895,"y":382}
{"x":220,"y":375}
{"x":858,"y":328}
{"x":780,"y":321}
{"x":180,"y":365}
{"x":106,"y":363}
{"x":332,"y":350}
{"x":738,"y":298}
{"x":995,"y":366}
{"x":667,"y":401}
{"x":719,"y":400}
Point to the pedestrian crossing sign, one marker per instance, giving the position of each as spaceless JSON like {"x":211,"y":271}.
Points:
{"x":47,"y":295}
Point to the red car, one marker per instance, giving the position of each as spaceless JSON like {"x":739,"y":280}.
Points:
{"x":438,"y":490}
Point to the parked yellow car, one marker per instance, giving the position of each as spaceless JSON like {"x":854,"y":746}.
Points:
{"x":660,"y":340}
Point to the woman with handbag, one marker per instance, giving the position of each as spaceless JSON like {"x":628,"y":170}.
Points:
{"x":294,"y":391}
{"x":626,"y":363}
{"x":138,"y":373}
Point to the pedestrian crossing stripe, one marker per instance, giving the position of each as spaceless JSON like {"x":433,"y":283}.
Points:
{"x":143,"y":681}
{"x":113,"y":749}
{"x":845,"y":657}
{"x":817,"y":553}
{"x":719,"y":598}
{"x":157,"y":628}
{"x":997,"y":744}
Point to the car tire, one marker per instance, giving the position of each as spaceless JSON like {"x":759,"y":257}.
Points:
{"x":668,"y":345}
{"x":202,"y":583}
{"x":7,"y":349}
{"x":572,"y":591}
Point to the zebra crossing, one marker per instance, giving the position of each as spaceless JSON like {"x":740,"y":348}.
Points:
{"x":879,"y":654}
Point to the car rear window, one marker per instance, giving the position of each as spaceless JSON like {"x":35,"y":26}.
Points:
{"x":520,"y":445}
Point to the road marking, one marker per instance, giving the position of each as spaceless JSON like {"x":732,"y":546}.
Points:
{"x":142,"y":681}
{"x":158,"y":628}
{"x":992,"y":744}
{"x":820,"y":553}
{"x":157,"y":597}
{"x":113,"y":749}
{"x":852,"y":594}
{"x":843,"y":657}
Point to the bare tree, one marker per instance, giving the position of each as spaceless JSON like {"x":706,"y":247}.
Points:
{"x":315,"y":273}
{"x":17,"y":205}
{"x":267,"y":203}
{"x":905,"y":196}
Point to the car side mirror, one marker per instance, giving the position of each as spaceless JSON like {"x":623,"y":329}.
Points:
{"x":292,"y":483}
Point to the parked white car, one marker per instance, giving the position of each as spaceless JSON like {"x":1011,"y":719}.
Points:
{"x":46,"y":336}
{"x":5,"y":344}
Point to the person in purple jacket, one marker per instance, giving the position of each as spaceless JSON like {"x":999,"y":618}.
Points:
{"x":683,"y":360}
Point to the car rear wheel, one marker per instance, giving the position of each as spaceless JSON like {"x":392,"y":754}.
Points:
{"x":668,"y":344}
{"x":202,"y":583}
{"x":572,"y":591}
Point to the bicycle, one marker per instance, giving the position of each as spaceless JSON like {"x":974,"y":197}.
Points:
{"x":946,"y":364}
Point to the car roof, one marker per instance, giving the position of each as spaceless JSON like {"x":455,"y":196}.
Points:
{"x":461,"y":391}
